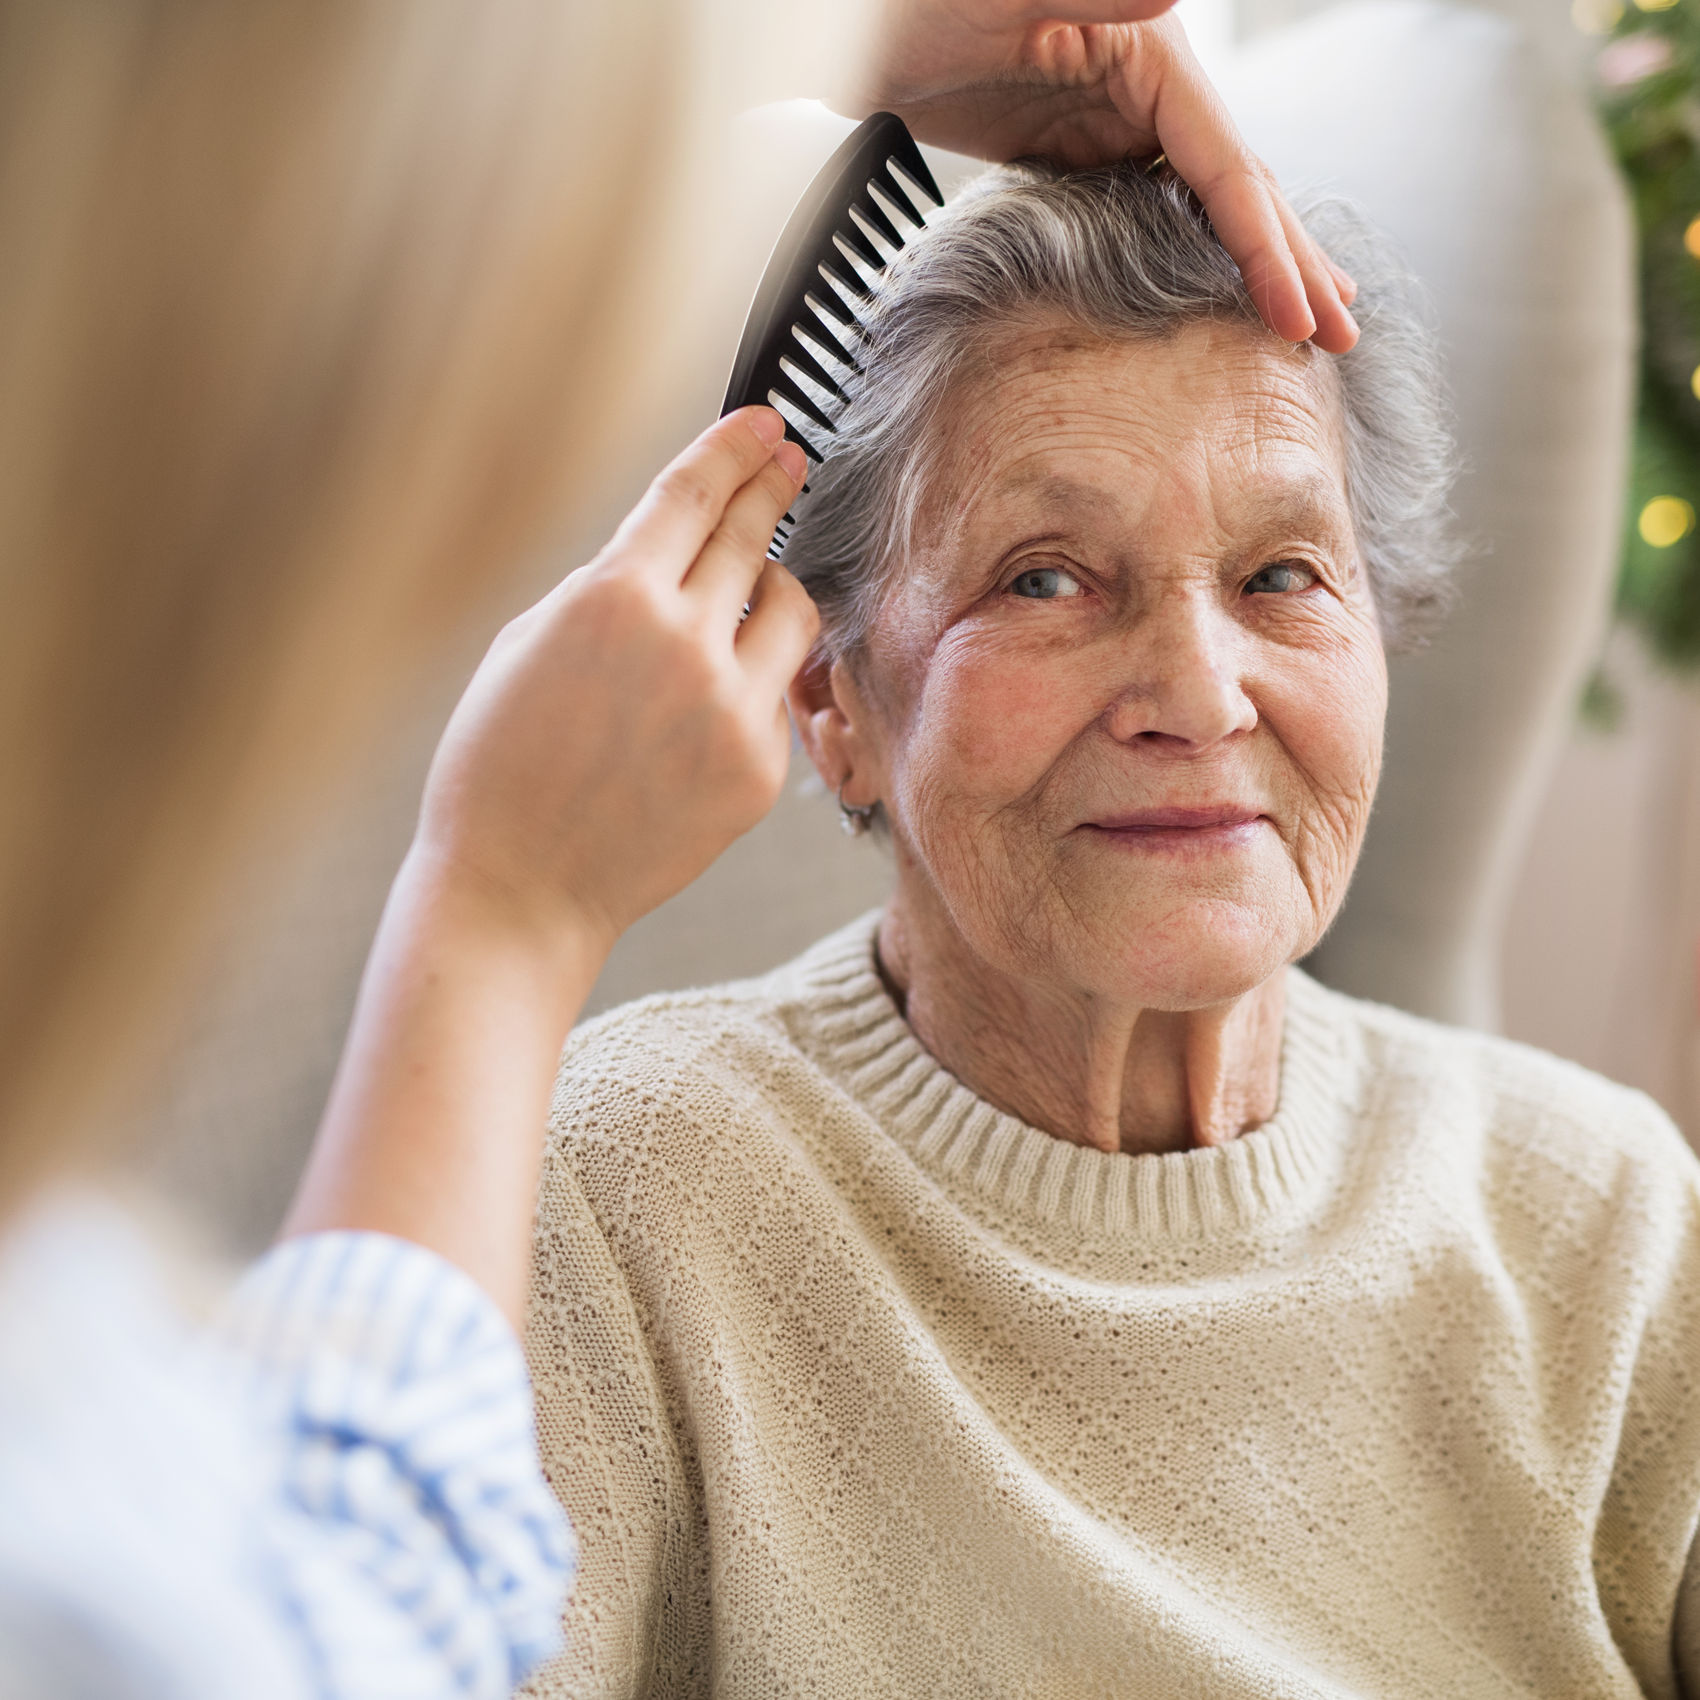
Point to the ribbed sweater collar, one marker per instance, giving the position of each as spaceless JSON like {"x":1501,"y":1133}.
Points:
{"x":859,"y":1037}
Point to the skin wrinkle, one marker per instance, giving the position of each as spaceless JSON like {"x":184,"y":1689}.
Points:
{"x":1110,"y":991}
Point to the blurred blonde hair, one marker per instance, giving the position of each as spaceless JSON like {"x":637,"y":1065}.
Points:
{"x":306,"y":311}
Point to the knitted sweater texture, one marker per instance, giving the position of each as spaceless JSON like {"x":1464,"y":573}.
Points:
{"x":855,"y":1386}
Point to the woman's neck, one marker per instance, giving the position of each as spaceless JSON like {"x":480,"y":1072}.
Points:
{"x":1117,"y":1077}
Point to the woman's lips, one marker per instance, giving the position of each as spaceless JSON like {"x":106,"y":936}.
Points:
{"x":1219,"y":826}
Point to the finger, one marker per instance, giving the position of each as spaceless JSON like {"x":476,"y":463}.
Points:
{"x":774,"y":642}
{"x":1202,"y":143}
{"x":1243,"y":212}
{"x":1343,"y":281}
{"x":1336,"y":329}
{"x":1287,"y":275}
{"x":730,"y":561}
{"x":681,"y":510}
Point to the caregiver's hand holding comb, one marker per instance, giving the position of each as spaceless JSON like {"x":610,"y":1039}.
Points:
{"x":616,"y":739}
{"x":1090,"y":82}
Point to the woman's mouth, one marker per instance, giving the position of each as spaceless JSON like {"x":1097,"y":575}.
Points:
{"x":1211,"y":827}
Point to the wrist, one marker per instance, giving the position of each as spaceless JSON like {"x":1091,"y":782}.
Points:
{"x":471,"y":922}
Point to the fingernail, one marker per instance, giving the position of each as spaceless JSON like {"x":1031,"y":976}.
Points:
{"x":1292,"y":313}
{"x":1350,"y":330}
{"x":793,"y":460}
{"x":767,"y":424}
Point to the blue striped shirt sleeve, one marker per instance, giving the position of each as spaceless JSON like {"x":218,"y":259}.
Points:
{"x":423,"y":1552}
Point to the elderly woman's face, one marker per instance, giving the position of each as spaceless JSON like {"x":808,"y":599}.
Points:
{"x":1125,"y":705}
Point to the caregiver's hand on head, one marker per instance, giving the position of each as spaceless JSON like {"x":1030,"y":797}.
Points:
{"x":1092,"y":81}
{"x":616,"y":739}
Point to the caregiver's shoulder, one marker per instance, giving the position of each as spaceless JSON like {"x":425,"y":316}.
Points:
{"x":1517,"y":1101}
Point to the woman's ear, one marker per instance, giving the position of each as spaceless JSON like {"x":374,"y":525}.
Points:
{"x":827,"y":710}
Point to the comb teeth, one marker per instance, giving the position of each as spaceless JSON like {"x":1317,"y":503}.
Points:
{"x":852,"y":239}
{"x":885,"y":180}
{"x":871,"y":212}
{"x":842,"y":335}
{"x":805,"y":362}
{"x":844,"y":277}
{"x":783,"y":403}
{"x":811,"y":307}
{"x":794,"y":393}
{"x":828,"y":335}
{"x":831,"y":311}
{"x":916,"y":180}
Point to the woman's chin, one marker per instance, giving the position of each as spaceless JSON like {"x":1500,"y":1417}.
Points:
{"x":1191,"y":958}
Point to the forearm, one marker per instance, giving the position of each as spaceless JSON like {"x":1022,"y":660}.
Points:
{"x":434,"y":1128}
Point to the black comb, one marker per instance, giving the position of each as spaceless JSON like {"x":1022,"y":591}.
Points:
{"x":813,"y":291}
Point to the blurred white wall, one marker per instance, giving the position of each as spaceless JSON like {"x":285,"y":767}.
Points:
{"x":1546,"y":22}
{"x":1212,"y":27}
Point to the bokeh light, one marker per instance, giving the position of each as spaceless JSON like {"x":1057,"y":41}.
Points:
{"x":1665,"y":520}
{"x":1694,"y":383}
{"x":1691,"y":238}
{"x":1655,"y":5}
{"x":1596,"y":17}
{"x":1633,"y":58}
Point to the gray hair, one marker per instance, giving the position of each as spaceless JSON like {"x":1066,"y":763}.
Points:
{"x":1128,"y":254}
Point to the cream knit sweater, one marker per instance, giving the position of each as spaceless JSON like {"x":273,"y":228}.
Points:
{"x":854,"y":1386}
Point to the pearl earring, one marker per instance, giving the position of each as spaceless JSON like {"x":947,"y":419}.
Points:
{"x":855,"y":821}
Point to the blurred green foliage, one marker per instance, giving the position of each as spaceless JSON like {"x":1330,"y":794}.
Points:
{"x":1649,"y":98}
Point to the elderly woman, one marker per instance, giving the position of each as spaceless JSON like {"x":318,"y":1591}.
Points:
{"x":1043,"y":1287}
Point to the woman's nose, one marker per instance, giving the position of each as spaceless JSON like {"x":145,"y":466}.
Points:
{"x":1182,"y":676}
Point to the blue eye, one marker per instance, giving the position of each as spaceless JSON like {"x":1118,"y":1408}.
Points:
{"x":1278,"y":577}
{"x":1040,"y":584}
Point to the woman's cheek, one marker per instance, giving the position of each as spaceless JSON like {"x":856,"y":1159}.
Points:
{"x":994,"y":718}
{"x":1330,"y":720}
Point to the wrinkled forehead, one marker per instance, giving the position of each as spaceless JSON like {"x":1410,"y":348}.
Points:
{"x":1052,"y":414}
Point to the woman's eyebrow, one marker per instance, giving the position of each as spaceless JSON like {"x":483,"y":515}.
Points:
{"x":1311,"y":501}
{"x":1058,"y":491}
